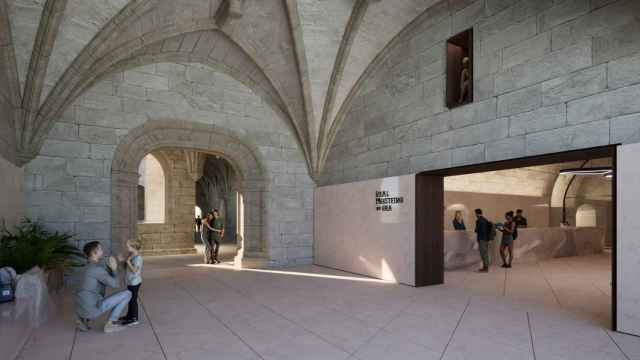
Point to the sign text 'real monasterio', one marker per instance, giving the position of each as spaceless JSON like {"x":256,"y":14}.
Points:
{"x":384,"y":202}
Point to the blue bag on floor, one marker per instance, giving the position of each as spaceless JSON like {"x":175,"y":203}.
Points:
{"x":7,"y":281}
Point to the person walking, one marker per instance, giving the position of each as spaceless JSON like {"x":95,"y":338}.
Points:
{"x":483,"y":232}
{"x":458,"y":221}
{"x":508,"y":230}
{"x":90,"y":298}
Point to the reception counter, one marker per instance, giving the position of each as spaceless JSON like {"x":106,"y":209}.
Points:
{"x":532,"y":244}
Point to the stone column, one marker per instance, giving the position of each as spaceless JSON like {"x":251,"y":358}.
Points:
{"x":124,"y":208}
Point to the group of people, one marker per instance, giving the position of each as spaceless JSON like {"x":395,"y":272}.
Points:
{"x":211,"y":230}
{"x":485,"y":231}
{"x":100,"y":274}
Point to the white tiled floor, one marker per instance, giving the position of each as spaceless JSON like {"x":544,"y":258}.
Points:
{"x":553,"y":310}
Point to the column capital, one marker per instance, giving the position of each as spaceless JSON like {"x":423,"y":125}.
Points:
{"x":195,"y":164}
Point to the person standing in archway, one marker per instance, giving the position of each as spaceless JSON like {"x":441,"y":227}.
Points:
{"x":198,"y":224}
{"x":217,"y":232}
{"x":207,"y":236}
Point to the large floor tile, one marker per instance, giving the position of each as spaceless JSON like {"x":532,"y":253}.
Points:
{"x":389,"y":346}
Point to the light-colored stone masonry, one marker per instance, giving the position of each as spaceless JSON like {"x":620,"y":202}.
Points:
{"x":549,"y":76}
{"x":174,"y":235}
{"x":69,"y":186}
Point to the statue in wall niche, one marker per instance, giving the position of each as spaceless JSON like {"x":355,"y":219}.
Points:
{"x":465,"y":81}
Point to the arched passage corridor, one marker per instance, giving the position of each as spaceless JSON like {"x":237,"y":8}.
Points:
{"x":99,"y":144}
{"x":174,"y":142}
{"x":218,"y":190}
{"x":180,"y":185}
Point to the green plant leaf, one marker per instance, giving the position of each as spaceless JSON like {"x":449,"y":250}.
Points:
{"x":30,"y":244}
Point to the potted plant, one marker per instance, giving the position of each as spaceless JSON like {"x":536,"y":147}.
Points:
{"x":30,"y":244}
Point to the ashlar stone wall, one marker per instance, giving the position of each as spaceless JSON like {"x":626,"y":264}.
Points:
{"x":69,"y":185}
{"x":549,"y":76}
{"x":173,"y":235}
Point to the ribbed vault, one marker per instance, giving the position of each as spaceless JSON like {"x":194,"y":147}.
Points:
{"x":305,"y":58}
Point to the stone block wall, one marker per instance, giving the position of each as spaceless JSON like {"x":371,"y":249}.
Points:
{"x":549,"y":76}
{"x":68,"y":186}
{"x":173,"y":235}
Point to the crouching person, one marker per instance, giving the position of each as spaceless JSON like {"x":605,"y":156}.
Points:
{"x":90,"y":298}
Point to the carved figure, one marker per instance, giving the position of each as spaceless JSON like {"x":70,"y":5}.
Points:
{"x":465,"y":81}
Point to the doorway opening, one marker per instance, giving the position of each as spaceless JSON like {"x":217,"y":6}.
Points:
{"x":177,"y":188}
{"x":217,"y":191}
{"x":563,"y":257}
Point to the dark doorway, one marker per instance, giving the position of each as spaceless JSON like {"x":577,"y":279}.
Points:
{"x":430,"y":209}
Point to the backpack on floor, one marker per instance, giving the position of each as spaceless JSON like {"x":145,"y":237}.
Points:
{"x":7,"y":282}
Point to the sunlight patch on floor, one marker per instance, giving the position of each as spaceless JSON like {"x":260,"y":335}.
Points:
{"x":294,"y":273}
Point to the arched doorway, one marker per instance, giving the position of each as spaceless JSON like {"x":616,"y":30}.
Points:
{"x":180,"y":136}
{"x":586,"y":216}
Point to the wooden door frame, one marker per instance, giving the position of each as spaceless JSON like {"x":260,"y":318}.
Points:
{"x":429,"y":236}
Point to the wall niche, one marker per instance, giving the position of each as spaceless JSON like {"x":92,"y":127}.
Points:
{"x":460,"y":69}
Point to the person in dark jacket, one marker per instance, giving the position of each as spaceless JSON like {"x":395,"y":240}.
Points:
{"x":483,"y":232}
{"x":520,"y":220}
{"x":458,"y":221}
{"x":207,"y":238}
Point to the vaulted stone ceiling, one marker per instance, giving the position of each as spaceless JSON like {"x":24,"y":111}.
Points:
{"x":305,"y":58}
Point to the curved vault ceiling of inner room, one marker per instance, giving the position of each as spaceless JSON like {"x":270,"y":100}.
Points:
{"x":538,"y":181}
{"x":586,"y":187}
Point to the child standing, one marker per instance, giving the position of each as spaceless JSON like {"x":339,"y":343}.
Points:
{"x":133,"y":263}
{"x":90,"y":298}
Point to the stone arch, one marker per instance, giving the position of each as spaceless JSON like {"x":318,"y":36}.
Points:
{"x":155,"y":135}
